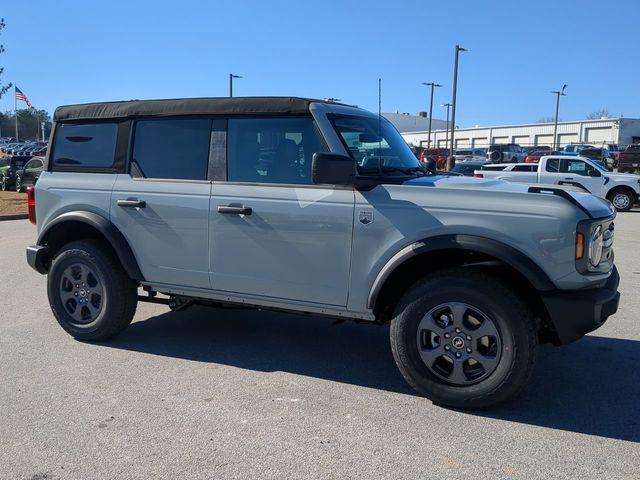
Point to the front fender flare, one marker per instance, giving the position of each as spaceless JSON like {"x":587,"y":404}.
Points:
{"x":115,"y":238}
{"x":505,"y":253}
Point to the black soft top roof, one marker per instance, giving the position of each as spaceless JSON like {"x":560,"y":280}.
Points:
{"x":185,"y":106}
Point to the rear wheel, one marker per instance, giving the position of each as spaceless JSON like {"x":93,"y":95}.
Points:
{"x":622,"y":199}
{"x":3,"y":183}
{"x":464,"y":339}
{"x":89,"y":292}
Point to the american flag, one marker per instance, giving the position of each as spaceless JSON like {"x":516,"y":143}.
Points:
{"x":23,"y":97}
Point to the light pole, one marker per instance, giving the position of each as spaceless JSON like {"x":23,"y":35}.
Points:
{"x":231,"y":77}
{"x":432,"y":85}
{"x":558,"y":94}
{"x":453,"y":106}
{"x":446,"y":135}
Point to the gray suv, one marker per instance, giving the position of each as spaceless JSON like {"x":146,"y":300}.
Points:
{"x":315,"y":207}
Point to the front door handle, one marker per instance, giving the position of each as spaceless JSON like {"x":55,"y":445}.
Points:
{"x":234,"y":209}
{"x":568,"y":178}
{"x":131,"y":203}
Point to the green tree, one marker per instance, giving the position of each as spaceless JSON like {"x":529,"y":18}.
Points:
{"x":29,"y":123}
{"x":3,"y":88}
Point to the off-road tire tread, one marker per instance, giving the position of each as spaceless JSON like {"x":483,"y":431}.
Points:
{"x":511,"y":385}
{"x":122,"y":289}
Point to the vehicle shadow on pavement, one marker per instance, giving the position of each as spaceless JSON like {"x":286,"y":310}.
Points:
{"x":590,"y":387}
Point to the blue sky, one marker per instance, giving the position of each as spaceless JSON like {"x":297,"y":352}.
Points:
{"x":71,"y":51}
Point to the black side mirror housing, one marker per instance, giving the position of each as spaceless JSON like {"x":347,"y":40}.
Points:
{"x":595,"y":173}
{"x":333,"y":169}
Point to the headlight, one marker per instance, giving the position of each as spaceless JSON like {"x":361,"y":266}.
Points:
{"x":595,"y":246}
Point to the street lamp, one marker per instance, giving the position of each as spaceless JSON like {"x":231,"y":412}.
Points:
{"x":558,"y":94}
{"x":231,"y":77}
{"x":446,"y":135}
{"x":453,"y":106}
{"x":432,"y":85}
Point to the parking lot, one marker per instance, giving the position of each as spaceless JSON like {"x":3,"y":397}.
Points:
{"x":210,"y":393}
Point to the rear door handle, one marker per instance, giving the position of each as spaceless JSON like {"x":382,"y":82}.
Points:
{"x":131,"y":203}
{"x":234,"y":209}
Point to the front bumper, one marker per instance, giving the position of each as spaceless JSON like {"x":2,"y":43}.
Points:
{"x":575,"y":313}
{"x":38,"y":258}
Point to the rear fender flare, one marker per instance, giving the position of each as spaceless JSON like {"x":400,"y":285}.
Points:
{"x":108,"y":230}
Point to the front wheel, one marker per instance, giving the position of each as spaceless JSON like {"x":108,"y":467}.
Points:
{"x":622,"y":200}
{"x":464,"y":339}
{"x":90,"y":294}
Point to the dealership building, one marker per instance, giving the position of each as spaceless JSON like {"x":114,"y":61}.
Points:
{"x":620,"y":131}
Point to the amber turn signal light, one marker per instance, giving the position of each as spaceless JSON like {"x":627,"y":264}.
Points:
{"x":579,"y":246}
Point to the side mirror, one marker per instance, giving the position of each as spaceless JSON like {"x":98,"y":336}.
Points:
{"x":595,"y":173}
{"x":333,"y":169}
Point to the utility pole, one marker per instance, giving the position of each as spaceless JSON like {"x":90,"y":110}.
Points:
{"x":558,"y":94}
{"x":453,"y":106}
{"x":432,"y":85}
{"x":42,"y":128}
{"x":15,"y":99}
{"x":231,"y":77}
{"x":446,"y":142}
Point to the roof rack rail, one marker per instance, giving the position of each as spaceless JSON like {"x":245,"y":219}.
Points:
{"x":560,"y":192}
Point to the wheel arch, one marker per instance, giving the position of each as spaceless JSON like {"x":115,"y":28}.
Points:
{"x":81,"y":224}
{"x":426,"y":256}
{"x":626,"y":188}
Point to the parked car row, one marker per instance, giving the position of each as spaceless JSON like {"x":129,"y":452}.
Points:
{"x":582,"y":173}
{"x":22,"y":149}
{"x":17,"y":173}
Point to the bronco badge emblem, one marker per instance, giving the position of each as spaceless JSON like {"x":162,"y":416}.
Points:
{"x":365,"y":217}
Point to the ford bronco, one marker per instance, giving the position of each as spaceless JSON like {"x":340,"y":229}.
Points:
{"x":316,"y":207}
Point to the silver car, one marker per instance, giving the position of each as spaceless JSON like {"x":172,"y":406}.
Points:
{"x":316,"y":207}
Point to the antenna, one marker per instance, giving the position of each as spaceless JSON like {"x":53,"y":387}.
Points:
{"x":379,"y":126}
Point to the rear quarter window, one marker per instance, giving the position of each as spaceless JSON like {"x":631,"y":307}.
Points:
{"x":90,"y":145}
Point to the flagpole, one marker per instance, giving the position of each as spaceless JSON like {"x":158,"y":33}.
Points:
{"x":15,"y":99}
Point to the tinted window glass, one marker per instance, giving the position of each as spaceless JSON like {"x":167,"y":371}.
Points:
{"x":85,"y":145}
{"x":274,"y":150}
{"x":553,"y":165}
{"x":579,"y":167}
{"x":172,"y":148}
{"x":525,"y":168}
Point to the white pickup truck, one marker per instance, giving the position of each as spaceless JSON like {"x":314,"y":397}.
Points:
{"x":621,"y":189}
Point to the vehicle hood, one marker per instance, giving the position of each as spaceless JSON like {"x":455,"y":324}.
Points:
{"x":622,"y":177}
{"x":590,"y":204}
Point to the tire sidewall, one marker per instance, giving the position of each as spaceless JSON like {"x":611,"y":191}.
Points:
{"x":18,"y":183}
{"x":67,"y":258}
{"x":513,"y":338}
{"x":628,"y":195}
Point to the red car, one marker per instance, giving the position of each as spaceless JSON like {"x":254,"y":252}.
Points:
{"x":534,"y":157}
{"x":439,"y":154}
{"x":41,"y":152}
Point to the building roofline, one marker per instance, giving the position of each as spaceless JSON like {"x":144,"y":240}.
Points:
{"x":482,"y":127}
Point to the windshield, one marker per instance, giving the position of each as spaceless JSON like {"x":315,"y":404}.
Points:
{"x":599,"y":165}
{"x":374,"y":144}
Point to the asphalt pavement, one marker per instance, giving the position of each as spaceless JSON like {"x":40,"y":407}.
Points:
{"x":208,"y":393}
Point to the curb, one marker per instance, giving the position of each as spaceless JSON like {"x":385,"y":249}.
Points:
{"x":21,"y":216}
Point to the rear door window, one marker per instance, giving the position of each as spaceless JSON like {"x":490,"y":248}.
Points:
{"x":553,"y":165}
{"x":91,"y":145}
{"x":176,"y":148}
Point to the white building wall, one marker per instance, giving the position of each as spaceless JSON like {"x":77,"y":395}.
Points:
{"x":611,"y":130}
